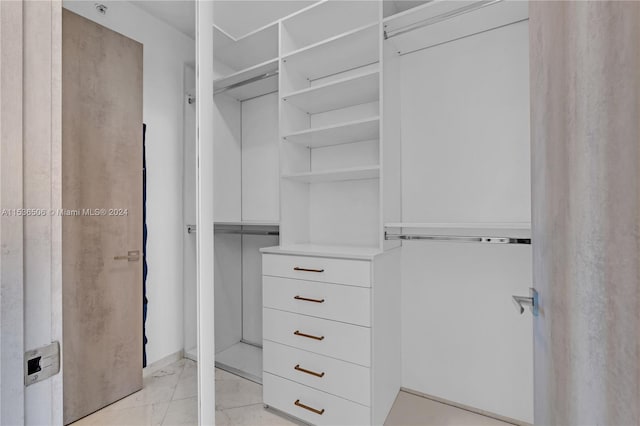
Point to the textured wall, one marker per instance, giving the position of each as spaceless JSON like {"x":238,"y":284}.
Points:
{"x":585,"y":93}
{"x":11,"y":230}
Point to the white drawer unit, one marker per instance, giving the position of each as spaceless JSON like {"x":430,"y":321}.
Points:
{"x":339,"y":271}
{"x":331,"y":352}
{"x":340,"y":378}
{"x":330,"y":301}
{"x":313,"y":406}
{"x":331,"y":338}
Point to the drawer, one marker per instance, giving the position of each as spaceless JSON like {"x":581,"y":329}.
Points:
{"x":331,"y":338}
{"x":330,"y":410}
{"x":331,"y":301}
{"x":339,"y":271}
{"x":341,"y":378}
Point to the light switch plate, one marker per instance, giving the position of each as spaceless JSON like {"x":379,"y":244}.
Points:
{"x":41,"y":363}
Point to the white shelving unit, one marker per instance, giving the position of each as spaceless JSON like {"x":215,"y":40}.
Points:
{"x":338,"y":94}
{"x":337,"y":134}
{"x":249,"y":83}
{"x":242,"y":53}
{"x":331,"y":232}
{"x":354,"y":173}
{"x":324,"y":21}
{"x":353,"y":49}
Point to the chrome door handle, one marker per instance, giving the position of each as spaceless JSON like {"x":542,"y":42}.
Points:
{"x":531,"y":302}
{"x":132,"y":256}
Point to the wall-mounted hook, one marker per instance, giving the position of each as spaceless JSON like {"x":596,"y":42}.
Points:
{"x":531,"y":302}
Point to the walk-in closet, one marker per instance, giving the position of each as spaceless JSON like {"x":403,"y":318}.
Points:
{"x":377,"y":155}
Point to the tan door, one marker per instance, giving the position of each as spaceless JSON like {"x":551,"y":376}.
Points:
{"x":102,"y":226}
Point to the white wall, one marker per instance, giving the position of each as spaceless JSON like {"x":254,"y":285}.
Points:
{"x":166,"y":51}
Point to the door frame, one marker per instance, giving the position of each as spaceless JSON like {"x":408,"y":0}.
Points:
{"x":204,"y":212}
{"x":11,"y":227}
{"x":14,"y":23}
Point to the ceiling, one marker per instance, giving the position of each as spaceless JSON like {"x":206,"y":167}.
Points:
{"x":239,"y":17}
{"x":235,"y":17}
{"x":180,"y":14}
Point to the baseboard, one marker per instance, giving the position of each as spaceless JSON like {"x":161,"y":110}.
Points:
{"x":466,"y":407}
{"x":163,"y":362}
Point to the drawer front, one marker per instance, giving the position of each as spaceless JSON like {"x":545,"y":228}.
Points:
{"x":335,"y":339}
{"x":330,"y":410}
{"x":331,"y":301}
{"x":346,"y":380}
{"x":339,"y":271}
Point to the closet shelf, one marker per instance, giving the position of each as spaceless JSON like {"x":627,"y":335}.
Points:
{"x":524,"y":226}
{"x":347,"y":51}
{"x":355,"y":90}
{"x":249,"y":83}
{"x":353,"y":173}
{"x":475,"y":229}
{"x":338,"y":134}
{"x":248,"y":223}
{"x":323,"y":20}
{"x":248,"y":50}
{"x":320,"y":250}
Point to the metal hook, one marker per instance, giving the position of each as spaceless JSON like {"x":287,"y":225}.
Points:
{"x":531,"y":301}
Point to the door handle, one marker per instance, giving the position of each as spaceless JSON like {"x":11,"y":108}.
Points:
{"x":132,"y":256}
{"x":297,"y":268}
{"x":309,"y":336}
{"x":531,"y":302}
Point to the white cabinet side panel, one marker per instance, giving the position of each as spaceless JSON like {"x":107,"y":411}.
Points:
{"x":465,"y":130}
{"x":252,"y":285}
{"x":260,"y":169}
{"x":228,"y":290}
{"x":226,"y":159}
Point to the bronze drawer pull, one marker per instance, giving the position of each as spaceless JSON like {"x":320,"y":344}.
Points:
{"x":306,"y":407}
{"x":297,"y":268}
{"x":297,"y":333}
{"x":304,"y":370}
{"x":308,"y":300}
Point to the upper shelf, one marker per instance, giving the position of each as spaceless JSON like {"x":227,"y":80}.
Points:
{"x":324,"y":20}
{"x":254,"y":48}
{"x":248,"y":223}
{"x":353,"y":173}
{"x":338,"y":94}
{"x":337,"y":134}
{"x":440,"y":21}
{"x":319,"y":250}
{"x":519,"y":229}
{"x":249,"y":83}
{"x":347,"y":51}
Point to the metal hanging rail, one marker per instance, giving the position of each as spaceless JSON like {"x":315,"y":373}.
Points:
{"x":246,"y":232}
{"x":458,"y":238}
{"x":439,"y":18}
{"x":247,"y":81}
{"x":192,"y":229}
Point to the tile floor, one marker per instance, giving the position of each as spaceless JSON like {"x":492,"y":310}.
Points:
{"x":169,"y":397}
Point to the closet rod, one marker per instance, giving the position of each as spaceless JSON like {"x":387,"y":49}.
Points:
{"x":245,"y":232}
{"x":458,"y":238}
{"x":247,"y":81}
{"x":439,"y":18}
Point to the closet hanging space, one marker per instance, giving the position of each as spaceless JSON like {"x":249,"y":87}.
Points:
{"x":246,"y":191}
{"x":460,"y":76}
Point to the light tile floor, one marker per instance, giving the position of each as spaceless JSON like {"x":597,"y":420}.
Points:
{"x":169,"y":397}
